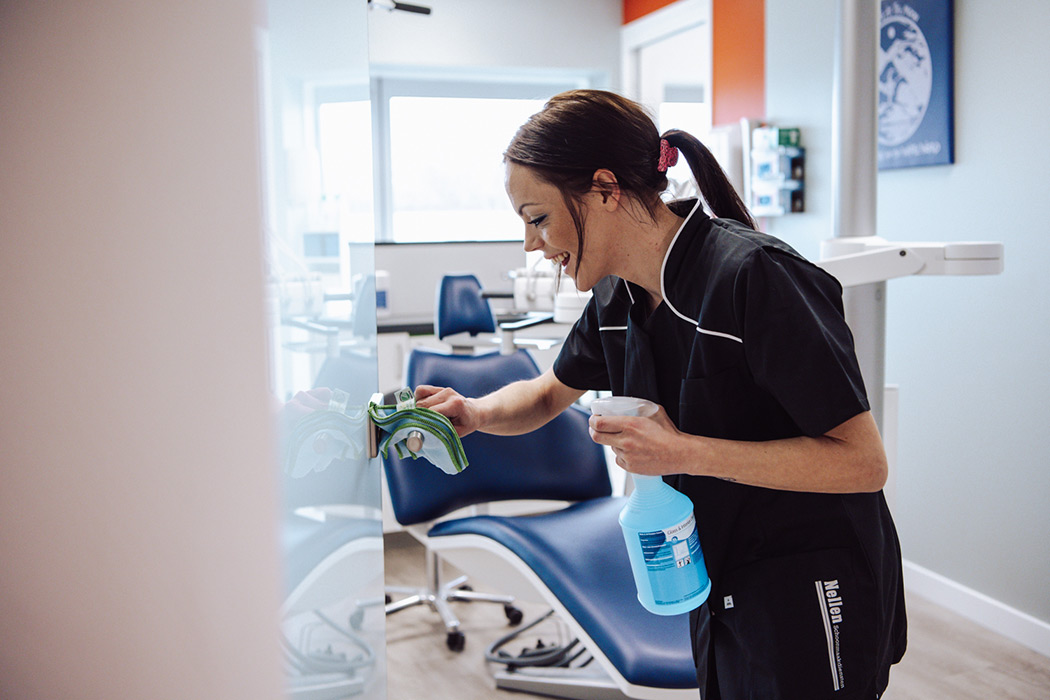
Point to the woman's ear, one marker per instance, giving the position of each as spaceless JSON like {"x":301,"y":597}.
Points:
{"x":604,"y":183}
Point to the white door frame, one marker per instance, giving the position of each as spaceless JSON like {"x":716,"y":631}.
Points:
{"x":657,"y":26}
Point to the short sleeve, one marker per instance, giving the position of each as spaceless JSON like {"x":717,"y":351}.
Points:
{"x":581,"y":363}
{"x":796,"y":340}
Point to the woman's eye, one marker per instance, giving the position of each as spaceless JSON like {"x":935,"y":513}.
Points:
{"x":538,"y":220}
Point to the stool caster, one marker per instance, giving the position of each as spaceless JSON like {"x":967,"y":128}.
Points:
{"x":456,"y":641}
{"x":513,"y":614}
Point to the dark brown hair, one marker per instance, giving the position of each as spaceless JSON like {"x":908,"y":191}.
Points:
{"x":582,"y":131}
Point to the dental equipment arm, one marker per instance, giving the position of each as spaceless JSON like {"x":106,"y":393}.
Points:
{"x":868,"y":259}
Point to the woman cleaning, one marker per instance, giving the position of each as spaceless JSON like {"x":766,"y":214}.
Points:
{"x":764,"y":421}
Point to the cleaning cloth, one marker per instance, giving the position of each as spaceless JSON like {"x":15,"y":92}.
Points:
{"x":440,"y":444}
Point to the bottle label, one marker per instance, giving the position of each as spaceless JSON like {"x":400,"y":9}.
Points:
{"x":674,"y":562}
{"x":406,"y":399}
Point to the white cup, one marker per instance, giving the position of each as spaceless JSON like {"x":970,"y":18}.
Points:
{"x":623,"y":406}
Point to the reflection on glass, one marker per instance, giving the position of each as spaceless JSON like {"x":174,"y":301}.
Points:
{"x":341,"y":127}
{"x":320,"y":236}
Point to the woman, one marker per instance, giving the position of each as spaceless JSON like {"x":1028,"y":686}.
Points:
{"x":764,"y":422}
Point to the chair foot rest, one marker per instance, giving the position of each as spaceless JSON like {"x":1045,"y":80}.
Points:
{"x":573,"y":683}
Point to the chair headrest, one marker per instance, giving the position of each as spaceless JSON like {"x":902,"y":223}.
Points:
{"x":461,"y":308}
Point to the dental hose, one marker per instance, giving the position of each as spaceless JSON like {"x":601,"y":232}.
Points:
{"x":549,"y":656}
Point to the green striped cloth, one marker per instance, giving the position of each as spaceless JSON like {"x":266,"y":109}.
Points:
{"x":441,"y":446}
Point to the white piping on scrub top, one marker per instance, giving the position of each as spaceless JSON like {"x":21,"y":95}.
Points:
{"x":619,"y":328}
{"x":719,"y":334}
{"x":663,"y":291}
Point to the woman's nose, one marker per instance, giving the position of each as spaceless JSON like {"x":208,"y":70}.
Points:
{"x":532,"y":240}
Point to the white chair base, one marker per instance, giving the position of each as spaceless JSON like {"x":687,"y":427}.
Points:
{"x":438,"y":595}
{"x":572,"y":683}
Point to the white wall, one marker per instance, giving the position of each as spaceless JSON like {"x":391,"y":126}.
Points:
{"x":975,"y":482}
{"x":799,"y":74}
{"x":550,"y":34}
{"x":137,"y":529}
{"x":417,"y":268}
{"x":969,"y":353}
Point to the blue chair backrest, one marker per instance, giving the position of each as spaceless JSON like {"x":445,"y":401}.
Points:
{"x":556,"y":462}
{"x":460,"y":308}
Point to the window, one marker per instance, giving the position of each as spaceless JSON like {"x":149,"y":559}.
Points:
{"x":446,"y":167}
{"x":339,"y":125}
{"x":438,"y":147}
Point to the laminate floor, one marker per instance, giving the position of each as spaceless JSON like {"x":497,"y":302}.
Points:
{"x":948,"y":656}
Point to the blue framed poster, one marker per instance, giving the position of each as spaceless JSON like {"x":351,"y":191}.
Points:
{"x":915,"y":84}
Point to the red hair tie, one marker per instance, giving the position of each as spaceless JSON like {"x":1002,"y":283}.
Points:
{"x":668,"y":156}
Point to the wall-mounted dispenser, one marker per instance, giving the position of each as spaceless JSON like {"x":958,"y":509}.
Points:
{"x":778,"y":172}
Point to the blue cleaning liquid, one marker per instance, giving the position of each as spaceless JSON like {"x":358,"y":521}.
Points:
{"x":664,"y":548}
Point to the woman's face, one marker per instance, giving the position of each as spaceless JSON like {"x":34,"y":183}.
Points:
{"x":549,"y":226}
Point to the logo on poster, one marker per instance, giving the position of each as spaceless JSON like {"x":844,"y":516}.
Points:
{"x":905,"y":74}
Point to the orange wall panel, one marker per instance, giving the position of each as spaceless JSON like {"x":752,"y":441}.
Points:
{"x":633,"y":9}
{"x":738,"y":48}
{"x":738,"y":65}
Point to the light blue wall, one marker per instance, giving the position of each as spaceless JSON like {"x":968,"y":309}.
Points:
{"x":970,"y":354}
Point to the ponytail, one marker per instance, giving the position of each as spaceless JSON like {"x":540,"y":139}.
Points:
{"x":714,"y":186}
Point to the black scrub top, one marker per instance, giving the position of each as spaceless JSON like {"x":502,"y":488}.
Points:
{"x":749,"y":343}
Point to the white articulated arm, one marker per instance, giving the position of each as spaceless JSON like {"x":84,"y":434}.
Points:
{"x":868,"y":259}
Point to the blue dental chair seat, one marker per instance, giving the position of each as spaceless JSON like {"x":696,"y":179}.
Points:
{"x":590,"y":575}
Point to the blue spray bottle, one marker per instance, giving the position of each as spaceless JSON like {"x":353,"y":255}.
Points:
{"x":660,"y":531}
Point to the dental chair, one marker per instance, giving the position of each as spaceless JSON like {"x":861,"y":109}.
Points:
{"x":460,"y":311}
{"x":465,"y":321}
{"x":572,"y":557}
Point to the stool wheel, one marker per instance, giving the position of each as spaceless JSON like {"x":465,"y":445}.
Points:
{"x":456,"y":641}
{"x":514,"y":615}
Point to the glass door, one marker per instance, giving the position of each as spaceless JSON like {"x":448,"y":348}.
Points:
{"x":321,"y":285}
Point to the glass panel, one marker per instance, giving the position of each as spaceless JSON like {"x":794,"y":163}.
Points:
{"x":320,"y":236}
{"x":451,"y":188}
